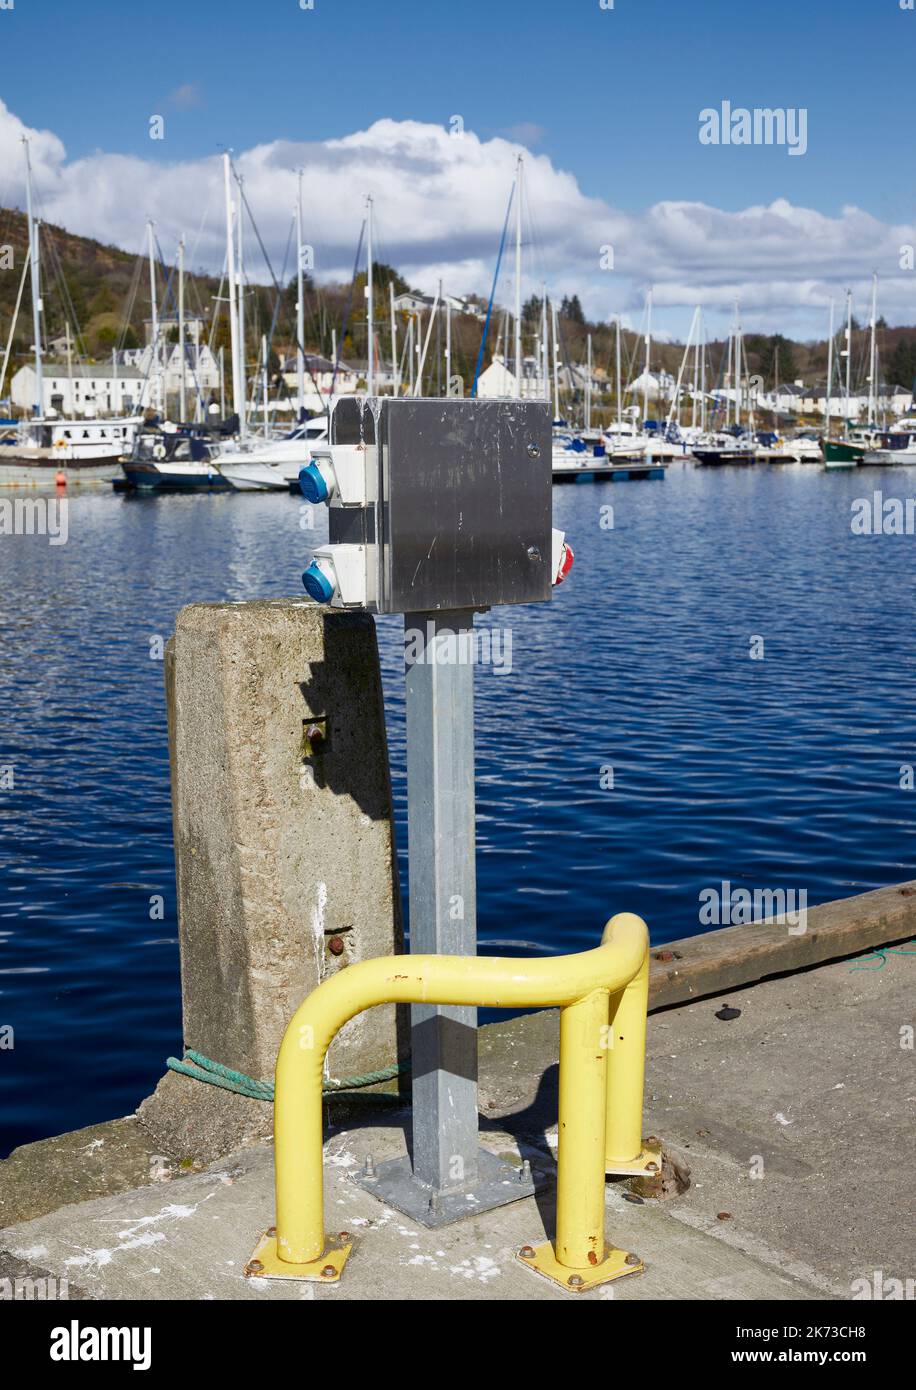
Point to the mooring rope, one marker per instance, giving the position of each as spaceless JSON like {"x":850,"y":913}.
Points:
{"x":880,"y":954}
{"x":200,"y":1068}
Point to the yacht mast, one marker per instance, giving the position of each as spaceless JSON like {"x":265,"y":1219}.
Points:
{"x":155,"y":375}
{"x":588,"y":387}
{"x":240,"y":292}
{"x":370,"y":308}
{"x":545,"y":338}
{"x":265,"y":386}
{"x":518,"y":276}
{"x":36,"y":283}
{"x":237,"y":403}
{"x":300,"y":302}
{"x":619,"y":380}
{"x":448,"y":346}
{"x":848,"y":350}
{"x":873,"y":363}
{"x":696,"y":371}
{"x":829,"y":375}
{"x":395,"y":373}
{"x":556,"y":364}
{"x":182,"y":402}
{"x":645,"y":394}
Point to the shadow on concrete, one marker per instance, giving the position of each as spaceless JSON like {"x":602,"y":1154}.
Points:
{"x":527,"y":1128}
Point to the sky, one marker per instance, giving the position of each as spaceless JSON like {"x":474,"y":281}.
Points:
{"x":426,"y":105}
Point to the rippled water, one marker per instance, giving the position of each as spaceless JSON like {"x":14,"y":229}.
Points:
{"x":774,"y":773}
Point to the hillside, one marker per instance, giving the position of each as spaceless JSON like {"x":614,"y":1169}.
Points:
{"x":104,"y":293}
{"x":90,"y":286}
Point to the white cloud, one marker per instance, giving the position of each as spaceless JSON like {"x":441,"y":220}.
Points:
{"x":186,"y":96}
{"x":440,"y":202}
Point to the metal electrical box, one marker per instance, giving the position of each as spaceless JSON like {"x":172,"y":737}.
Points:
{"x":438,"y":503}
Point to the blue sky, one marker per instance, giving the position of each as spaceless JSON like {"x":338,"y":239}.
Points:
{"x":616,"y":92}
{"x":611,"y":96}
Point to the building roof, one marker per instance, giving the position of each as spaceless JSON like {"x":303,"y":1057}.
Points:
{"x":84,"y":371}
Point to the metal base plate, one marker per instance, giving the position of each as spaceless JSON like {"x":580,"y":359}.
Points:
{"x":640,"y":1166}
{"x":614,"y":1266}
{"x":498,"y":1183}
{"x":265,"y":1263}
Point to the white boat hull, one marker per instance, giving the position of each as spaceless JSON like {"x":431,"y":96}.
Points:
{"x":255,"y":477}
{"x":894,"y":456}
{"x":19,"y":471}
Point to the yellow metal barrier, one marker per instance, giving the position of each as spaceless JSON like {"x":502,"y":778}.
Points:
{"x":602,"y":995}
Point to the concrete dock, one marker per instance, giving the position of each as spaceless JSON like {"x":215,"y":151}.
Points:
{"x":795,"y":1117}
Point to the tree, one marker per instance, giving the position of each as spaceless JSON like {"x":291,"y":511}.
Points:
{"x":383,"y":275}
{"x":902,"y":364}
{"x":766,"y":350}
{"x":531,"y":310}
{"x":571,"y":309}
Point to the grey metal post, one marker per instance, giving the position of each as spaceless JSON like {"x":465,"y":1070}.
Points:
{"x":443,"y":887}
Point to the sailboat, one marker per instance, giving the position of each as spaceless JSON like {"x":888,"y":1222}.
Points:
{"x":274,"y":464}
{"x":857,"y":441}
{"x":732,"y":444}
{"x":47,"y":449}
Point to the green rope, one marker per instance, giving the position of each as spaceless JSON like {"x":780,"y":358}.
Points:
{"x":881,"y":953}
{"x":200,"y":1068}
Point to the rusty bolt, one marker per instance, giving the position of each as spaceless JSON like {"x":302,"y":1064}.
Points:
{"x":336,"y":945}
{"x":527,"y":1252}
{"x":723,"y":1216}
{"x":575,"y":1281}
{"x":653,"y":1141}
{"x":344,"y":1236}
{"x":651,"y":1167}
{"x":328,"y":1272}
{"x":314,"y":737}
{"x":272,"y":1231}
{"x":253,"y":1267}
{"x":632,"y":1260}
{"x":664,"y":955}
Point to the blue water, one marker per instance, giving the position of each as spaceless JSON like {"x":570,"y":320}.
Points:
{"x":775,"y":773}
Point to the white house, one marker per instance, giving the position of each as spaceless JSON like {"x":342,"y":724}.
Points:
{"x":319,"y":374}
{"x":660,"y":386}
{"x":87,"y":390}
{"x":411,"y":303}
{"x":896,"y":399}
{"x":497,"y":381}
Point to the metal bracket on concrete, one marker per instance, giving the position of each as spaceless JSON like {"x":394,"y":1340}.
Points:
{"x":496,"y":1184}
{"x":645,"y":1165}
{"x":265,"y":1263}
{"x":617,"y":1264}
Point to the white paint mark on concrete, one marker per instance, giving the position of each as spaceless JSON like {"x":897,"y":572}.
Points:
{"x":479,"y":1267}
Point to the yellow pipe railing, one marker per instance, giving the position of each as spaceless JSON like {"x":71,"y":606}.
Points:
{"x":602,"y":995}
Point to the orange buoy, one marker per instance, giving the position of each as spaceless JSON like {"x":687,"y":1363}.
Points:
{"x":60,"y":478}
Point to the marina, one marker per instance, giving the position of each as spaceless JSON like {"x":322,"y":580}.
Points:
{"x":425,"y":879}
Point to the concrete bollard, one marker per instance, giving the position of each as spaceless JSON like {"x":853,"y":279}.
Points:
{"x":284,"y":845}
